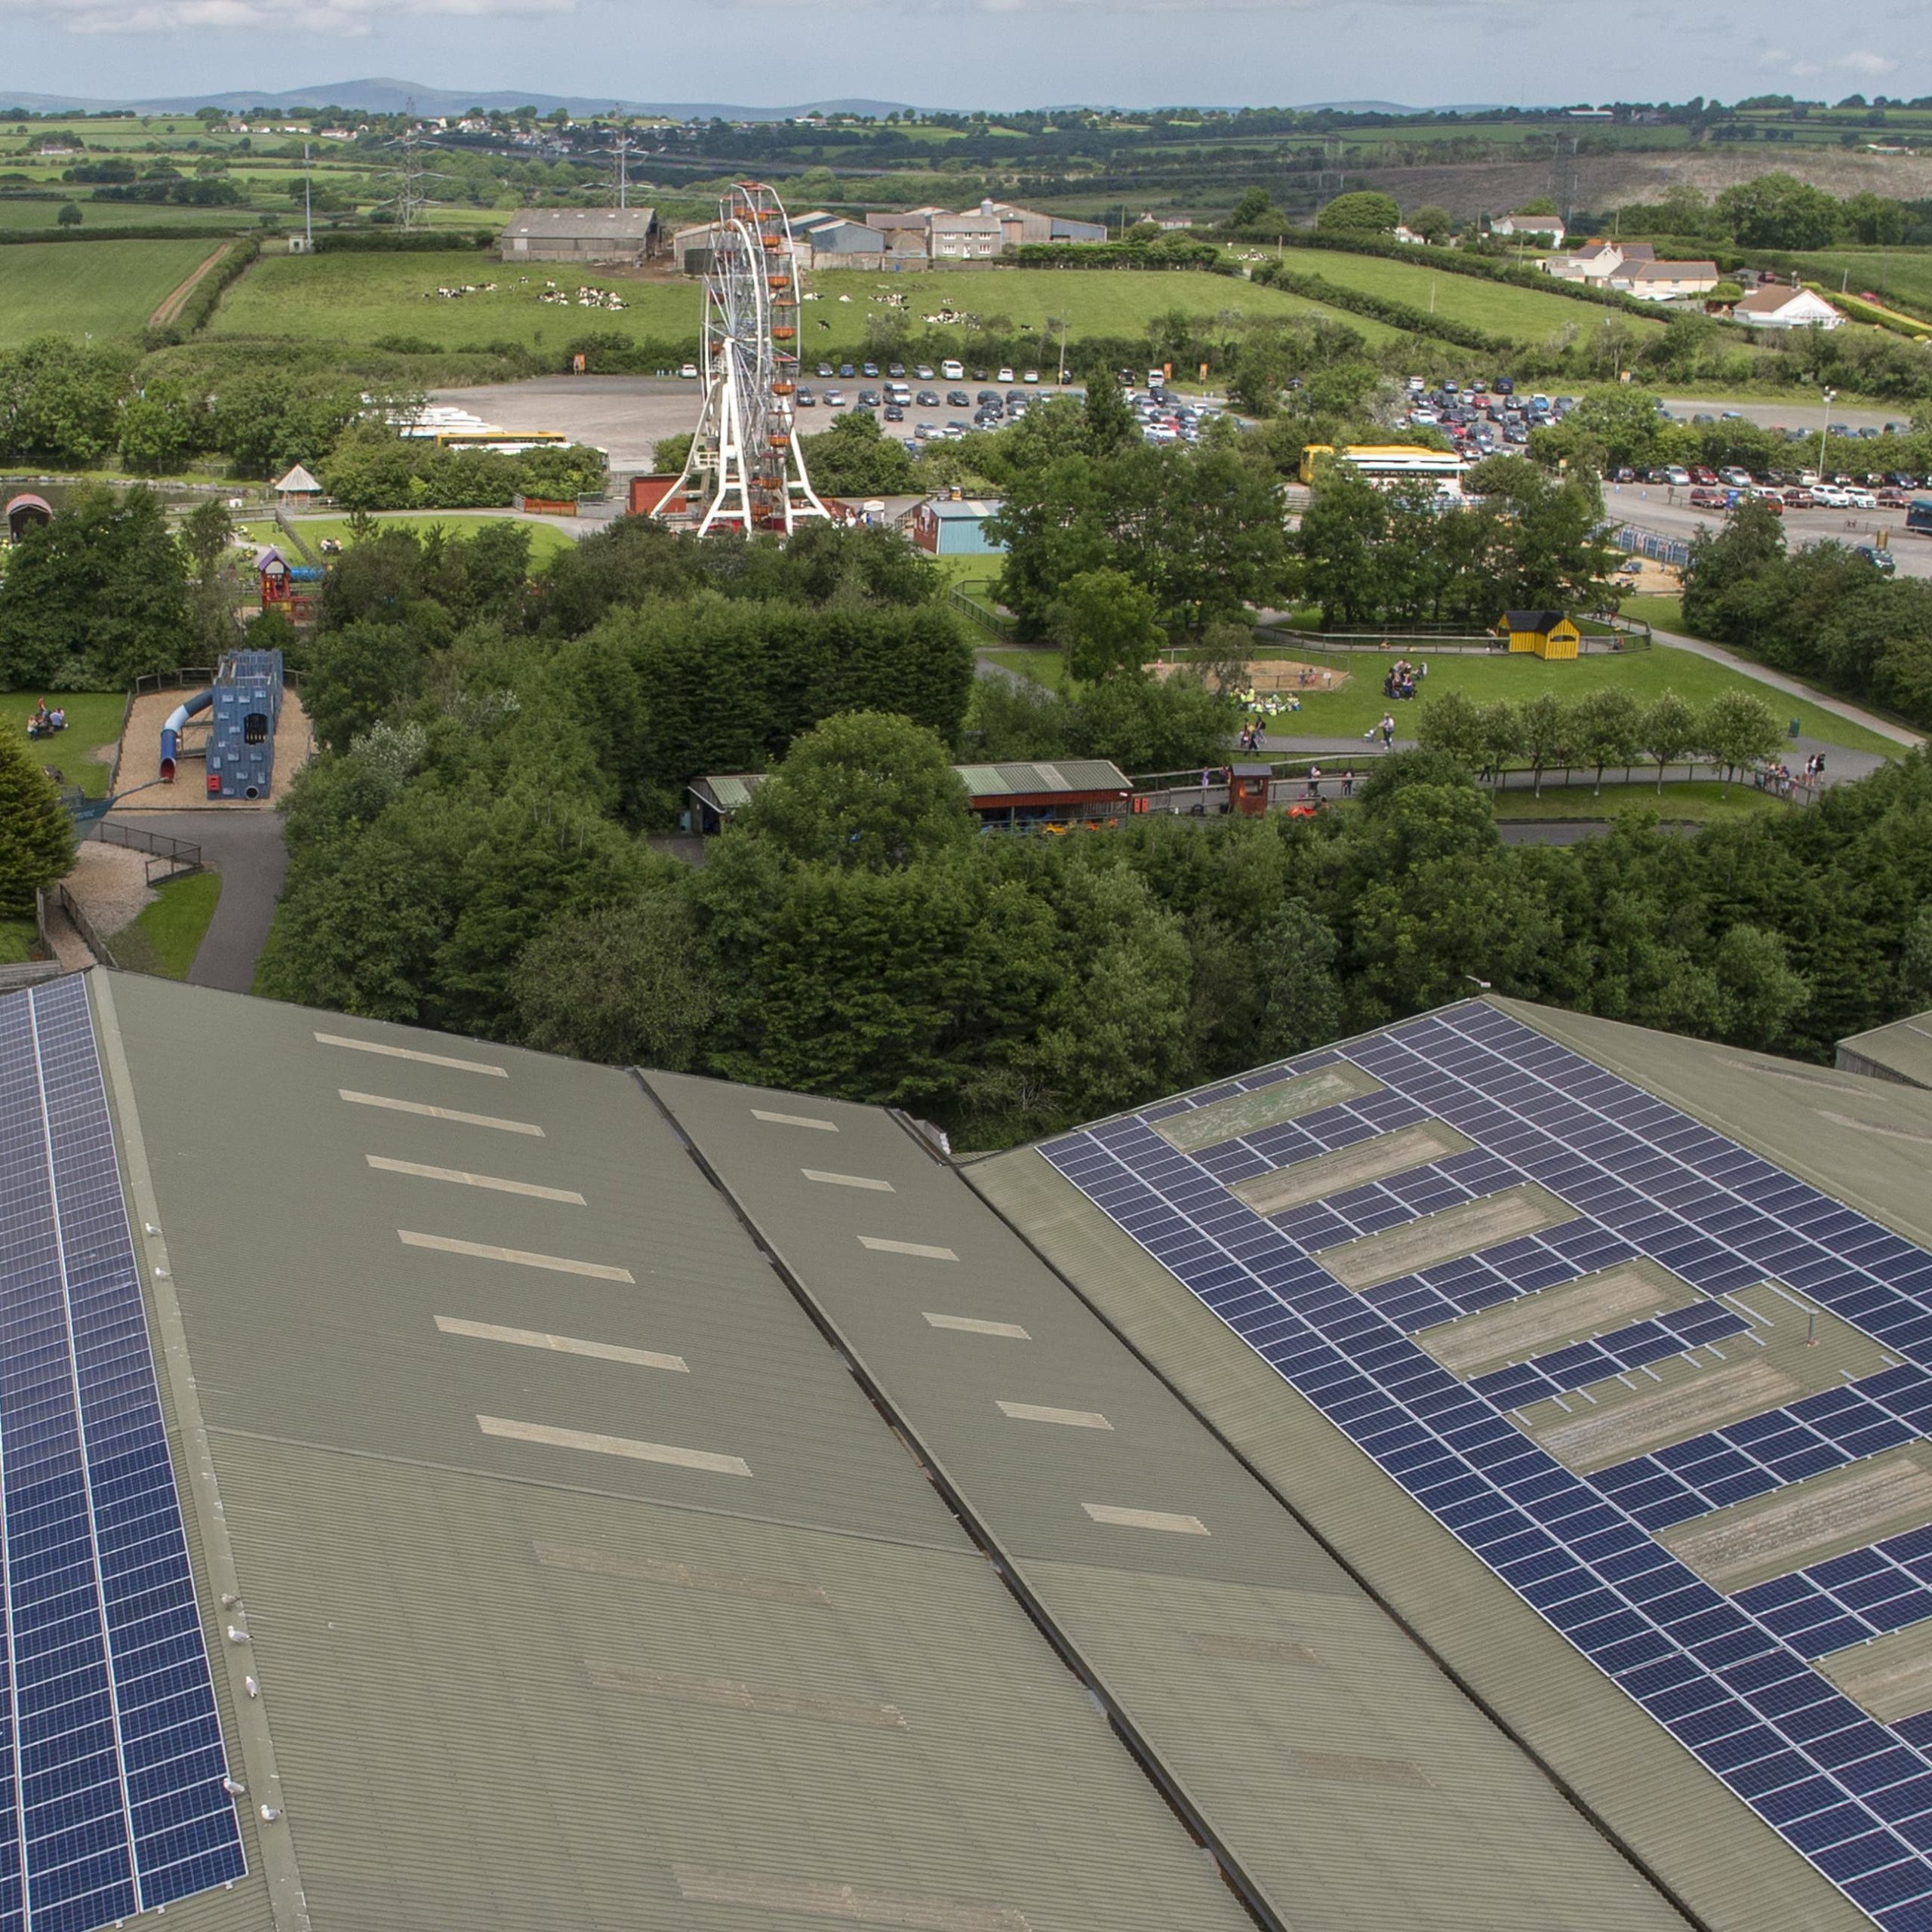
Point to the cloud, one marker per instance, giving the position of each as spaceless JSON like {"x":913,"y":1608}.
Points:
{"x":331,"y":17}
{"x":1860,"y":60}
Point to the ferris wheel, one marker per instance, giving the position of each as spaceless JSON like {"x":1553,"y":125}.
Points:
{"x":745,"y":456}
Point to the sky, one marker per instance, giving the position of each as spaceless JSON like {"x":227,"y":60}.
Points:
{"x":981,"y":52}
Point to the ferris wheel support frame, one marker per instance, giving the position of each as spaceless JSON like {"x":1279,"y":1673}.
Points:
{"x":744,"y":455}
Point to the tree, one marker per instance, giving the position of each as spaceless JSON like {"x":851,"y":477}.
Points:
{"x":1736,"y":729}
{"x":623,"y":985}
{"x":36,"y":830}
{"x":1778,"y":211}
{"x":1107,"y":625}
{"x":1362,"y":212}
{"x":356,"y":676}
{"x":865,"y":791}
{"x":1759,"y":992}
{"x":1107,"y":425}
{"x":1669,"y":729}
{"x":1344,"y":523}
{"x":1256,"y":211}
{"x":69,"y":216}
{"x":1549,"y":727}
{"x":104,"y":582}
{"x":1503,"y":734}
{"x":854,"y":459}
{"x":1301,"y":998}
{"x":1453,"y":723}
{"x":1432,"y":222}
{"x":1608,"y":729}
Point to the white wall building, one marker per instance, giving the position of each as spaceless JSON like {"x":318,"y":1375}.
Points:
{"x":1776,"y":306}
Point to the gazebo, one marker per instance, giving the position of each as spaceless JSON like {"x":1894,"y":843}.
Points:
{"x":298,"y":487}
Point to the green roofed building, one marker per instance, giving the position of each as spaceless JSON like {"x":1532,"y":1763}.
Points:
{"x":628,"y":1501}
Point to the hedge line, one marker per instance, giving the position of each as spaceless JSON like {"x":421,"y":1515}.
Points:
{"x":209,"y":290}
{"x":156,"y":231}
{"x":1454,"y":261}
{"x":401,"y":241}
{"x":1199,"y":257}
{"x":1397,"y":314}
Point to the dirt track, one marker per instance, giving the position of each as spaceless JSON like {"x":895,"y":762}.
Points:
{"x":177,"y":296}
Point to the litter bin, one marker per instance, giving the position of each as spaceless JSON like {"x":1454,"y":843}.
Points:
{"x":1791,"y":730}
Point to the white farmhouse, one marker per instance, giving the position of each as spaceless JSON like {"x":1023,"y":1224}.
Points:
{"x":1774,"y":305}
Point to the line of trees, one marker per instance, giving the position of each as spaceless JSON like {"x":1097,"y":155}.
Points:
{"x":1606,"y":730}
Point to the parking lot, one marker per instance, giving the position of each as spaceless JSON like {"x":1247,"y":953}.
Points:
{"x":1651,"y":507}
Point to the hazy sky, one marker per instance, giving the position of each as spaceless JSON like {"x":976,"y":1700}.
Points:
{"x":974,"y":52}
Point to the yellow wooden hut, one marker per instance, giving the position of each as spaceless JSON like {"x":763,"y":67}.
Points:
{"x":1546,"y":633}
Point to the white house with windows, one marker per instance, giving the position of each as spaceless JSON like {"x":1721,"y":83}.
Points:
{"x":1666,"y":281}
{"x":1547,"y":228}
{"x":1776,"y":305}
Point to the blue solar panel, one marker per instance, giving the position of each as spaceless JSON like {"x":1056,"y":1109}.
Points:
{"x":1729,"y":1677}
{"x":111,"y":1756}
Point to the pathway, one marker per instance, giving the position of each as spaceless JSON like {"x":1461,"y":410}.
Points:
{"x":246,"y":848}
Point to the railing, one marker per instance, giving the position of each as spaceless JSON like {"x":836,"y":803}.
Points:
{"x":82,"y":925}
{"x":28,"y":973}
{"x":193,"y":678}
{"x":1616,"y":634}
{"x":996,"y":621}
{"x":1641,"y":543}
{"x":297,"y":539}
{"x":166,"y":857}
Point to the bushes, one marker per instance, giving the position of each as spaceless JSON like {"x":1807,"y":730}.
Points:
{"x":36,"y":835}
{"x":371,"y":468}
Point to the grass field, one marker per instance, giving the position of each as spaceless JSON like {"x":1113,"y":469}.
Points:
{"x":1500,"y":309}
{"x":1350,"y":713}
{"x":1903,"y":274}
{"x":18,"y":937}
{"x":101,"y":288}
{"x":94,"y":722}
{"x":168,"y":934}
{"x":546,"y":539}
{"x":355,"y":300}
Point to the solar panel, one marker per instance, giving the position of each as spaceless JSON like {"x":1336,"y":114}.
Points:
{"x":1728,"y":1676}
{"x":111,"y":1756}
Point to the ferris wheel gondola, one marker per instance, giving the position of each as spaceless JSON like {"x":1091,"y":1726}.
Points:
{"x":745,"y":463}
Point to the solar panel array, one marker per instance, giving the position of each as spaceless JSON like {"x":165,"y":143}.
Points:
{"x":111,"y":1799}
{"x":1728,"y":1676}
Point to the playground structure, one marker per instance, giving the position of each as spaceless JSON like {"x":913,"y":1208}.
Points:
{"x":245,"y":703}
{"x":287,"y":587}
{"x":746,"y":467}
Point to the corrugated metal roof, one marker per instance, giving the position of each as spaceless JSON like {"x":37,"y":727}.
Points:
{"x":1727,"y":1867}
{"x":1353,"y":1783}
{"x":1017,"y":780}
{"x":1903,"y":1050}
{"x":611,"y":224}
{"x":514,"y":1683}
{"x":969,"y":509}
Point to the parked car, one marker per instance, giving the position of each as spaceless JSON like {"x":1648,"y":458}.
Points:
{"x":1798,"y":498}
{"x":922,"y":372}
{"x":1880,"y":561}
{"x":1029,"y":375}
{"x":1862,"y":500}
{"x":1702,"y":498}
{"x":804,"y":399}
{"x":1674,"y":475}
{"x":846,"y":370}
{"x":689,"y":372}
{"x":927,"y":398}
{"x":835,"y":398}
{"x":824,"y":372}
{"x":869,"y":369}
{"x":958,"y":399}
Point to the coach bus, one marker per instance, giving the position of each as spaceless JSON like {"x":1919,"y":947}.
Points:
{"x":1391,"y":462}
{"x":506,"y":442}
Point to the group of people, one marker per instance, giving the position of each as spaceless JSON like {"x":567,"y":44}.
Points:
{"x":1402,"y":677}
{"x":1311,"y":788}
{"x":1268,"y":704}
{"x":1779,"y":777}
{"x":1254,"y":737}
{"x":45,"y":723}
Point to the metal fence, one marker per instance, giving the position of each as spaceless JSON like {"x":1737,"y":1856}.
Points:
{"x":166,"y":857}
{"x":995,"y":622}
{"x":191,"y":678}
{"x":60,"y":896}
{"x":1651,"y":543}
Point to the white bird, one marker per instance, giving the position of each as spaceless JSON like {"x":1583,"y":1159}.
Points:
{"x":237,"y":1636}
{"x":249,"y":1684}
{"x":235,"y":1787}
{"x":269,"y":1814}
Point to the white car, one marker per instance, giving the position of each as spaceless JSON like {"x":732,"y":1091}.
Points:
{"x":1029,"y":375}
{"x":1862,"y":500}
{"x":1677,"y":477}
{"x":1831,"y":496}
{"x":1005,"y":376}
{"x":689,"y":372}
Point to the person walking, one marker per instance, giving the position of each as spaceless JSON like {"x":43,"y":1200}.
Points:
{"x":1349,"y":782}
{"x":1388,"y":731}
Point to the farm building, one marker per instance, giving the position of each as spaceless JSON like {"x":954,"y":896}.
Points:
{"x":1009,"y":795}
{"x":952,"y":526}
{"x":1545,"y":633}
{"x":580,"y":234}
{"x":1774,"y":305}
{"x":1902,"y":1051}
{"x":1468,"y":1475}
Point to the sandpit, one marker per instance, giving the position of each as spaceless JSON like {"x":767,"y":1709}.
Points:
{"x":1276,"y":674}
{"x":140,"y":758}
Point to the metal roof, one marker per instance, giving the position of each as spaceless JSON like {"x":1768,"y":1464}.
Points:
{"x":1902,"y":1051}
{"x":584,"y":1585}
{"x":601,"y":224}
{"x":1338,"y":1770}
{"x":1019,"y":780}
{"x":1862,"y":1140}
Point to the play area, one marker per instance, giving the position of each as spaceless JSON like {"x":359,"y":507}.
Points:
{"x":238,"y":743}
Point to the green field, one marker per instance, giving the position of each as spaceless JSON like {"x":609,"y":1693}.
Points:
{"x":102,"y":288}
{"x":1648,"y":674}
{"x":1903,"y":274}
{"x":356,"y":299}
{"x":17,"y":940}
{"x":1497,"y":307}
{"x":546,"y":539}
{"x":94,"y":724}
{"x":168,"y":934}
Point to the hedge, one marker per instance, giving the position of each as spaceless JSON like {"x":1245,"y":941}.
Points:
{"x":402,"y":241}
{"x":1397,"y":314}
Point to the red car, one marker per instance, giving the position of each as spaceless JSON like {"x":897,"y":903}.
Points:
{"x":1700,"y":476}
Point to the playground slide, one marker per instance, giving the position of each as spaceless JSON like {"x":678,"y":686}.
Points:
{"x":171,"y":732}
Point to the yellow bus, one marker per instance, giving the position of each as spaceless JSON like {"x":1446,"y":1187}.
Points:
{"x":1390,"y":463}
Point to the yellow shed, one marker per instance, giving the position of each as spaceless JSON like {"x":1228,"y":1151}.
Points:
{"x":1547,"y":633}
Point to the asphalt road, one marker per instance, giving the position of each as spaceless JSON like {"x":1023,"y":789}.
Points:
{"x":1650,"y":506}
{"x":246,"y":848}
{"x":1808,"y":414}
{"x":623,"y":414}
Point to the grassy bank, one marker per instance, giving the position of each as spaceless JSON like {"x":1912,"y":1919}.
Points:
{"x":93,"y":725}
{"x":166,"y":936}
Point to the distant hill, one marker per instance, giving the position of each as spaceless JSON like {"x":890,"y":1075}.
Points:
{"x":394,"y":97}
